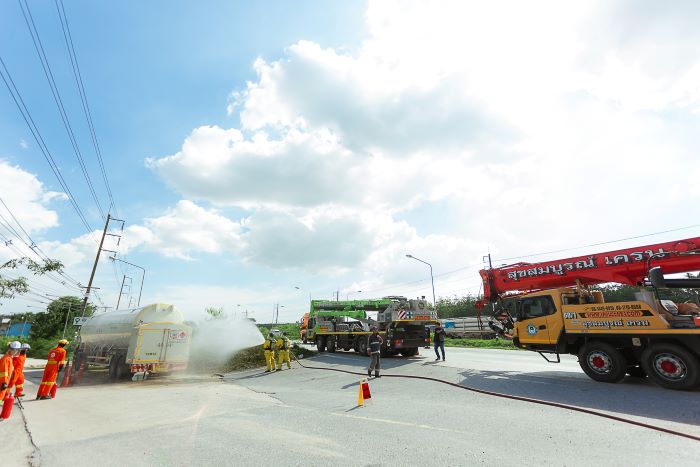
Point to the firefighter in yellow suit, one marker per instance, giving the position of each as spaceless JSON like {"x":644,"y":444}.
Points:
{"x":269,"y":347}
{"x":283,"y":351}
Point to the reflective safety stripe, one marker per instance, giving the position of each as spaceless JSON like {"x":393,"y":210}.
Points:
{"x":19,"y":386}
{"x":51,"y":363}
{"x":49,"y":383}
{"x":2,"y":373}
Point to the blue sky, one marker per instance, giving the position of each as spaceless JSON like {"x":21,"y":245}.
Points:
{"x":254,"y":147}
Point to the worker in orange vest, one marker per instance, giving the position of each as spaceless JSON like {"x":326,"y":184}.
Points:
{"x":7,"y":368}
{"x":18,"y":378}
{"x":57,"y":359}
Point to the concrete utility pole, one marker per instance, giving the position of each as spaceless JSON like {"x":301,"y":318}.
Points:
{"x":97,"y":259}
{"x":143,"y":274}
{"x":66,"y":323}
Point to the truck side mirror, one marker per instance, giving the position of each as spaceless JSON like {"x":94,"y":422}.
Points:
{"x":656,"y":277}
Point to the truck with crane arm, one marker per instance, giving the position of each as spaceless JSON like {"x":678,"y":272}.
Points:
{"x":550,"y":308}
{"x":401,"y":322}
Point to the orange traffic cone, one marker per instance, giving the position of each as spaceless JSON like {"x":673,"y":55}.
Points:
{"x":66,"y":381}
{"x":360,"y":397}
{"x":366,"y":394}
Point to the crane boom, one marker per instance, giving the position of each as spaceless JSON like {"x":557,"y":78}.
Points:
{"x":627,"y":266}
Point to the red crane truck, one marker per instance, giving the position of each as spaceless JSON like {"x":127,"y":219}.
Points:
{"x":550,"y":308}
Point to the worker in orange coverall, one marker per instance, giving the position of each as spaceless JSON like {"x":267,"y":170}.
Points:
{"x":18,"y":378}
{"x":57,"y":359}
{"x":7,"y":368}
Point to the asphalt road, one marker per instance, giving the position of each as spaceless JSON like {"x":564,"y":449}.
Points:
{"x":310,"y":417}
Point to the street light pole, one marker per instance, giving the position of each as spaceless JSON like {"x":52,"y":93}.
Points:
{"x":347,"y":296}
{"x":432,"y":281}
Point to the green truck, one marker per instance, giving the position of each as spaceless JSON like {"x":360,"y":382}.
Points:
{"x":336,"y":325}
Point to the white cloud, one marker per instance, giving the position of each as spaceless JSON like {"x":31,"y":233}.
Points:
{"x":23,"y":144}
{"x":529,"y":118}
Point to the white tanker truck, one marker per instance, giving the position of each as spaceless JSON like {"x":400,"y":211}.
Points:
{"x":152,"y":339}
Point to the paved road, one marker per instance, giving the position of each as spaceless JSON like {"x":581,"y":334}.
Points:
{"x":309,"y":417}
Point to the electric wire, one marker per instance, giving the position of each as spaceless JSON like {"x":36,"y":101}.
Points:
{"x":39,"y":47}
{"x":26,"y":115}
{"x":63,"y":18}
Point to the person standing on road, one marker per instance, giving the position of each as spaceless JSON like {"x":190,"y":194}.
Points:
{"x":439,"y":341}
{"x":374,"y":347}
{"x":18,"y":378}
{"x":269,"y":347}
{"x":55,"y":363}
{"x":283,"y":345}
{"x":7,"y":368}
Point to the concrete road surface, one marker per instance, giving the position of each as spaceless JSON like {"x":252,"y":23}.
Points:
{"x":310,"y":417}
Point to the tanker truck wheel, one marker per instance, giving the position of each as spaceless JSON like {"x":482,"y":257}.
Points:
{"x":113,"y":365}
{"x":671,"y":366}
{"x":122,"y":368}
{"x":602,"y":362}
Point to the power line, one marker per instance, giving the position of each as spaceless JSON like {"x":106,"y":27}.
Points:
{"x":39,"y":47}
{"x":26,"y":115}
{"x":599,"y":243}
{"x":83,"y":96}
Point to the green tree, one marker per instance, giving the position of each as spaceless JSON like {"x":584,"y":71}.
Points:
{"x":51,"y":323}
{"x":453,"y":307}
{"x":10,"y":287}
{"x":215,"y":313}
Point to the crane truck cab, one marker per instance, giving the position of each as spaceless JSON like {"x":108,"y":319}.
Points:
{"x":645,"y":336}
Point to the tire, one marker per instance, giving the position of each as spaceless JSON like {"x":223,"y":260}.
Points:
{"x":602,"y":362}
{"x":636,"y":372}
{"x":362,"y":346}
{"x":122,"y":369}
{"x":113,"y":367}
{"x":330,"y":344}
{"x":304,"y":340}
{"x":347,"y":348}
{"x":321,"y":343}
{"x":671,"y":366}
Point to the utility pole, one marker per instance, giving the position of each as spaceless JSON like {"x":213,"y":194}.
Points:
{"x":493,"y":307}
{"x":65,"y":325}
{"x":97,"y":259}
{"x":121,"y":290}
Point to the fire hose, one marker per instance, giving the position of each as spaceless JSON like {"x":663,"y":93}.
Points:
{"x":517,"y":398}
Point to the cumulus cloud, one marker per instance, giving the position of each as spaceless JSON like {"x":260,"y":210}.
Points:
{"x":522,"y":116}
{"x":27,"y":197}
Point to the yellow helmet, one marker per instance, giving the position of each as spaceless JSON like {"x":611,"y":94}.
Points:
{"x":63,"y":341}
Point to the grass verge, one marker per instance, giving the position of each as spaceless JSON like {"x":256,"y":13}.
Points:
{"x":481,"y":343}
{"x":254,"y":357}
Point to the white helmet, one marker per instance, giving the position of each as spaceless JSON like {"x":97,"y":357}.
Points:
{"x":15,"y":345}
{"x":26,"y":347}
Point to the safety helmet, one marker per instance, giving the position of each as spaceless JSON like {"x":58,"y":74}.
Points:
{"x":26,"y":347}
{"x":63,"y":341}
{"x":15,"y":345}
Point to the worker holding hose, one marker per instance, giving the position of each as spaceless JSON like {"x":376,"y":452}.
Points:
{"x":55,"y":363}
{"x":18,"y":361}
{"x":269,"y":348}
{"x":283,"y":345}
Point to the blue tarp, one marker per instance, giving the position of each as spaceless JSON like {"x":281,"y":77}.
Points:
{"x":19,"y":330}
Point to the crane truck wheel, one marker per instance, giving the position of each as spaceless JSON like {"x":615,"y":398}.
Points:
{"x":362,"y":347}
{"x":602,"y":362}
{"x":321,"y":343}
{"x":330,"y":344}
{"x":671,"y":366}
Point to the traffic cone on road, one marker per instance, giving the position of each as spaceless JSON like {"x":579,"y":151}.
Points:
{"x":360,"y":396}
{"x":366,"y":393}
{"x":66,"y":381}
